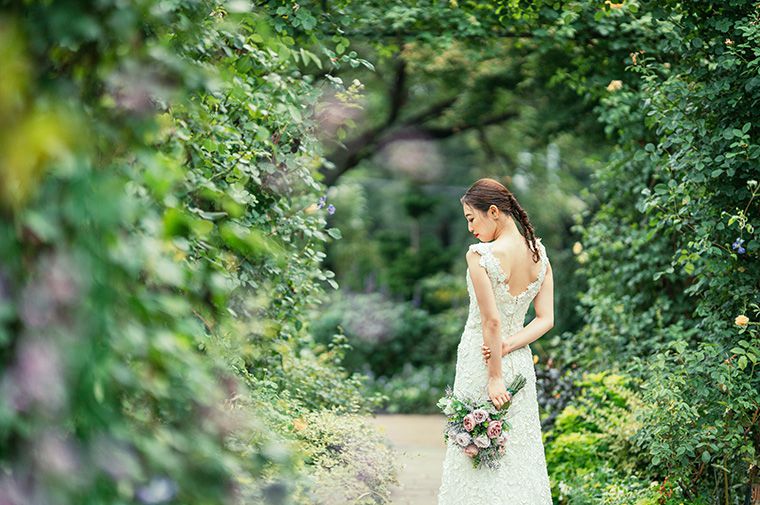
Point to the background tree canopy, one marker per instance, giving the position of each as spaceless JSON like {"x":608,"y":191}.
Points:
{"x":230,"y":228}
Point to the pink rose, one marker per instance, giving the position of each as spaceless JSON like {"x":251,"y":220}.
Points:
{"x":494,"y":429}
{"x":502,"y":440}
{"x":471,"y":451}
{"x":469,"y":422}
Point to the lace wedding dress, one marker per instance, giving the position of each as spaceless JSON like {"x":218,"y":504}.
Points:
{"x":522,"y":477}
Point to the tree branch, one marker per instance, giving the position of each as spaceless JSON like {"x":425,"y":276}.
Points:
{"x":442,"y":133}
{"x":398,"y":91}
{"x":372,"y":141}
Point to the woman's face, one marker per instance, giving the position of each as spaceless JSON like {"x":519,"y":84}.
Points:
{"x":480,"y":224}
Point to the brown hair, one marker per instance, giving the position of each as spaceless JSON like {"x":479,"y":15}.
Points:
{"x":486,"y":192}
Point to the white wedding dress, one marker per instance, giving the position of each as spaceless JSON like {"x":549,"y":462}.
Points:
{"x":522,"y":478}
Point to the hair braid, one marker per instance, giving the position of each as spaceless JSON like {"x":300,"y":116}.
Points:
{"x":522,"y":217}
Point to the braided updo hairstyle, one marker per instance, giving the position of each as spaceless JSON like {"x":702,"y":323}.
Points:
{"x":486,"y":192}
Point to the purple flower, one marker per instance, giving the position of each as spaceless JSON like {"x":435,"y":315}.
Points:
{"x":737,"y":245}
{"x":480,"y":415}
{"x":321,"y":201}
{"x":331,"y":209}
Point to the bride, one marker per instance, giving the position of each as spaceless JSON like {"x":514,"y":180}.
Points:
{"x":506,"y":270}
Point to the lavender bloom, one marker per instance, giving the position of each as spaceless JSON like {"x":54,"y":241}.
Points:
{"x":321,"y":202}
{"x":331,"y":209}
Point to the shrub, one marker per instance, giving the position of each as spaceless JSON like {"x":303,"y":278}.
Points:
{"x":348,"y":462}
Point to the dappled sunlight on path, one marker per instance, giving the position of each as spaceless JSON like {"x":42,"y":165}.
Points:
{"x":417,"y":441}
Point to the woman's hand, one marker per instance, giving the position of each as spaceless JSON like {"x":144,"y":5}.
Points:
{"x":498,"y":393}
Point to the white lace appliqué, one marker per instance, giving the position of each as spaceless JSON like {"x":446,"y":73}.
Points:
{"x":522,"y":478}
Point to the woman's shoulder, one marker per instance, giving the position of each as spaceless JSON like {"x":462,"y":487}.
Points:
{"x":479,"y":247}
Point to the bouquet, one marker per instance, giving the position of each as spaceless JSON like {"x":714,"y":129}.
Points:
{"x":479,"y":429}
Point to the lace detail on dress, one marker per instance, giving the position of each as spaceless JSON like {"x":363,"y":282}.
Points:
{"x":522,"y":479}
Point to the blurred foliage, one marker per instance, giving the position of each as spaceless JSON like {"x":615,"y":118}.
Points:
{"x":415,"y":389}
{"x":161,"y":243}
{"x":163,"y":237}
{"x":349,"y":461}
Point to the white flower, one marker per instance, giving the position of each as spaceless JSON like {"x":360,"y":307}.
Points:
{"x":480,"y":415}
{"x":463,"y":439}
{"x":482,"y":441}
{"x":445,"y":404}
{"x":448,"y":409}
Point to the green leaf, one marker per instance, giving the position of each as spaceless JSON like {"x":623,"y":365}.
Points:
{"x":334,"y":233}
{"x":742,"y":362}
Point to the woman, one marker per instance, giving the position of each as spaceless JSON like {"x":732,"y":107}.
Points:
{"x":505,"y":272}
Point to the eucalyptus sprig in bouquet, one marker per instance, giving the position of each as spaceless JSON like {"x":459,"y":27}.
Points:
{"x":479,"y":429}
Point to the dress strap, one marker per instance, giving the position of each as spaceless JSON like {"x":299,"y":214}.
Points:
{"x":489,"y":261}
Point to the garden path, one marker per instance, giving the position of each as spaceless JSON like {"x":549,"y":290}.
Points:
{"x":417,"y":441}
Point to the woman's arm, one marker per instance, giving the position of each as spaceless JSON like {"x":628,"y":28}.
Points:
{"x":491,"y":323}
{"x":542,"y":323}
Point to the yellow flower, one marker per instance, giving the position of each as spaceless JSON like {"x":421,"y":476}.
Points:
{"x":535,"y":359}
{"x":612,"y":5}
{"x":614,"y":85}
{"x":741,"y":320}
{"x":311,"y":209}
{"x":728,"y":42}
{"x":299,"y":424}
{"x":577,"y":248}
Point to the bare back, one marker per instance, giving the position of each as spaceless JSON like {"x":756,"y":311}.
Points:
{"x":516,"y":261}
